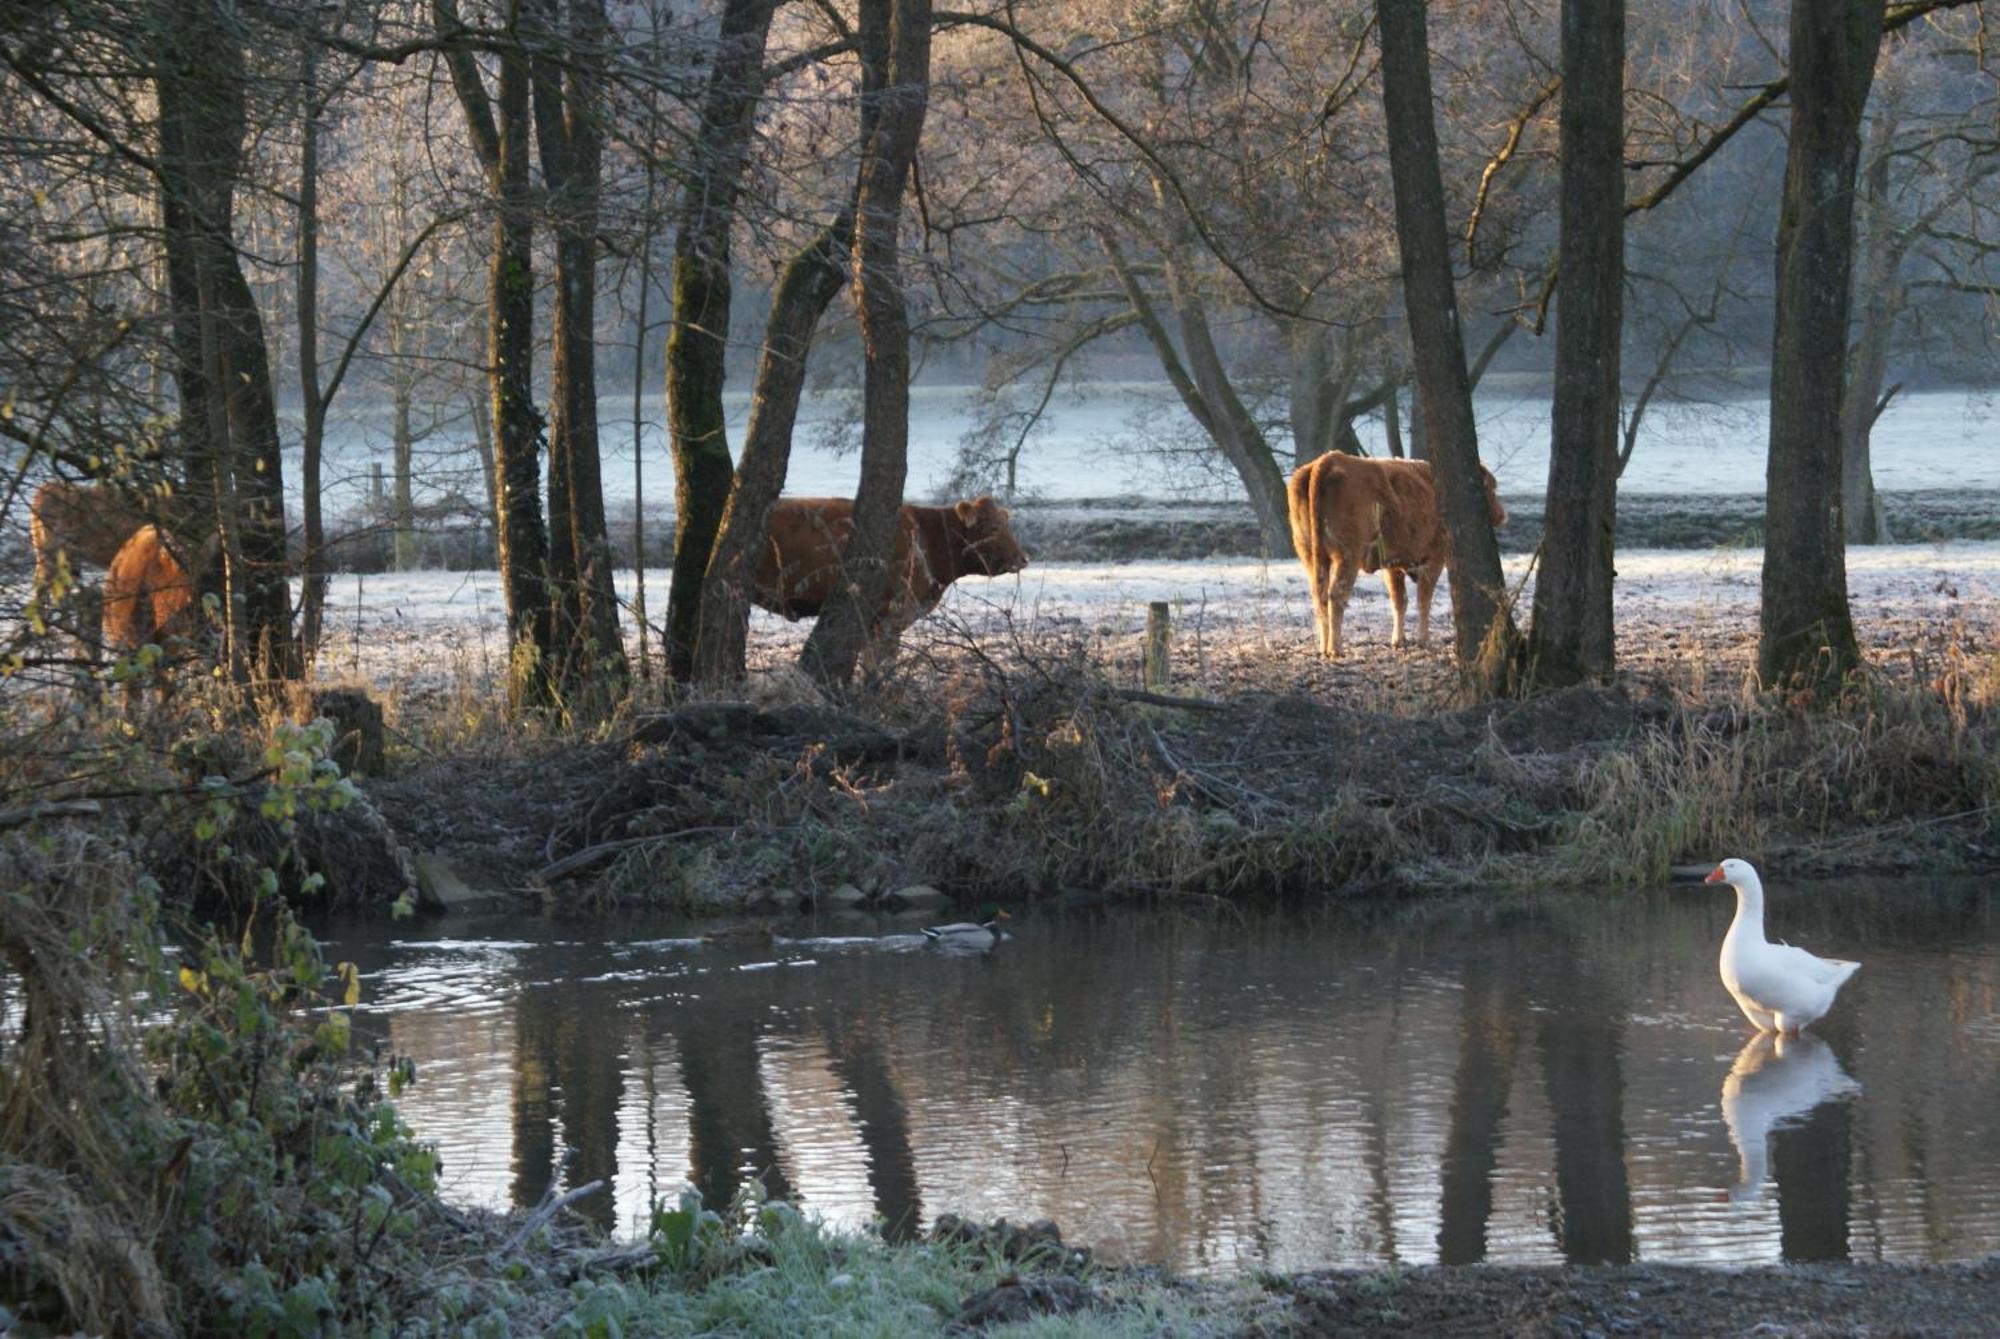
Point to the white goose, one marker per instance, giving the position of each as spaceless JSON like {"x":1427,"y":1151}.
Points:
{"x":1779,"y":988}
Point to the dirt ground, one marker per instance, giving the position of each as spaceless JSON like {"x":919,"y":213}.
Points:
{"x":1577,"y":1303}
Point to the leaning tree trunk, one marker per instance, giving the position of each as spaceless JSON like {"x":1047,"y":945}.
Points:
{"x":809,"y":284}
{"x":844,"y":625}
{"x":1868,"y":367}
{"x":499,"y":130}
{"x":568,"y":79}
{"x":229,"y":415}
{"x":1233,"y":427}
{"x":697,"y":344}
{"x":1204,"y":388}
{"x":1487,"y":642}
{"x":1807,"y":633}
{"x":1572,"y":639}
{"x":807,"y":287}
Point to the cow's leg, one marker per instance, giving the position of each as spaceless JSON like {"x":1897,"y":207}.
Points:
{"x":1427,"y":584}
{"x":1340,"y":590}
{"x":1318,"y":587}
{"x":1399,"y":601}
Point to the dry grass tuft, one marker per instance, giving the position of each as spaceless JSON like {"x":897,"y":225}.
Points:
{"x":73,"y":1107}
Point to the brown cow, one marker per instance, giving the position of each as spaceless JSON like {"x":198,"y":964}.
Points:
{"x":1355,"y":514}
{"x":934,"y":547}
{"x":89,"y":522}
{"x":149,"y":594}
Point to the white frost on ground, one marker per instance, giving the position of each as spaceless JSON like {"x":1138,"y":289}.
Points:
{"x":430,"y":630}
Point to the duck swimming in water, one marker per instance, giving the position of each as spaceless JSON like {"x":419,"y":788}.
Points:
{"x":1779,"y":988}
{"x":965,"y":934}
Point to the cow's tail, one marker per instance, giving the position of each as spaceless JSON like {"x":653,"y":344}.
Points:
{"x":1299,"y":490}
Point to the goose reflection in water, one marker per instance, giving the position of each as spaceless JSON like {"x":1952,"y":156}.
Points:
{"x":1776,"y":1082}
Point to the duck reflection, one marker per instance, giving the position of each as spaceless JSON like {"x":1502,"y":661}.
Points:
{"x":1779,"y":1085}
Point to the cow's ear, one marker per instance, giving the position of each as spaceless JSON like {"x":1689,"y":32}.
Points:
{"x":967,"y":509}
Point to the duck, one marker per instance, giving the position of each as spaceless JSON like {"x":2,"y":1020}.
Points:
{"x":1780,"y":989}
{"x":966,"y":934}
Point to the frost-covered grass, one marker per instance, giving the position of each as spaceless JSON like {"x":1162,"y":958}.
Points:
{"x":814,"y":1281}
{"x":427,"y":631}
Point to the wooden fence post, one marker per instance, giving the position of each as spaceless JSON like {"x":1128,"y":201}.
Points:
{"x":1159,"y":639}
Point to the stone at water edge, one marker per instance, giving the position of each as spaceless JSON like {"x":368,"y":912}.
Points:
{"x":441,"y":888}
{"x":844,"y":898}
{"x":918,"y":897}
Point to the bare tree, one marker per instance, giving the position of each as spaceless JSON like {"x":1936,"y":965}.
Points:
{"x":1486,"y":639}
{"x":1807,"y":632}
{"x":1572,"y":637}
{"x":838,"y":638}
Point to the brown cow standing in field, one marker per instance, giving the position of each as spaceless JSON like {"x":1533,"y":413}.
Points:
{"x":150,"y":594}
{"x":934,"y":547}
{"x":1355,"y":514}
{"x":89,"y":522}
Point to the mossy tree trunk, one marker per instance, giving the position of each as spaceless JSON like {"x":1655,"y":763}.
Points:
{"x":1806,"y":637}
{"x":697,"y":344}
{"x":499,"y":128}
{"x":568,"y":101}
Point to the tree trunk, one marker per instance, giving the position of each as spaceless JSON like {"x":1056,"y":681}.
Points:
{"x":1322,"y":416}
{"x":480,"y":409}
{"x":1807,"y":633}
{"x":402,"y":446}
{"x":1313,"y":399}
{"x":1868,"y":364}
{"x":639,"y":434}
{"x":1235,"y":429}
{"x":229,"y":414}
{"x":312,"y":594}
{"x":1487,"y":642}
{"x":1572,"y":640}
{"x":568,"y":77}
{"x":698,"y":342}
{"x":499,"y":130}
{"x":844,"y":625}
{"x":1205,"y":391}
{"x":809,"y":284}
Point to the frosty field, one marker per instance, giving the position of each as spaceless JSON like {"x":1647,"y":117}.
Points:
{"x":422,"y":631}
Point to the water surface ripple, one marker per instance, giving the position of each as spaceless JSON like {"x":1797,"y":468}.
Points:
{"x":1561,"y":1081}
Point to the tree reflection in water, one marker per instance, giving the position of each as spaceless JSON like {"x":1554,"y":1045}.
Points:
{"x":1272,"y":1093}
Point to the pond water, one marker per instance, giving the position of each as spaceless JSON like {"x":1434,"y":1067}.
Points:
{"x":1563,"y":1079}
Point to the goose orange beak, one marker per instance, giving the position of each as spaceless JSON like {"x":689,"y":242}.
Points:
{"x":1715,"y":877}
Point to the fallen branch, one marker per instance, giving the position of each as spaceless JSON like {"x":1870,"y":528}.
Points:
{"x":592,"y":855}
{"x":541,"y":1216}
{"x":1152,"y":699}
{"x":34,"y":813}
